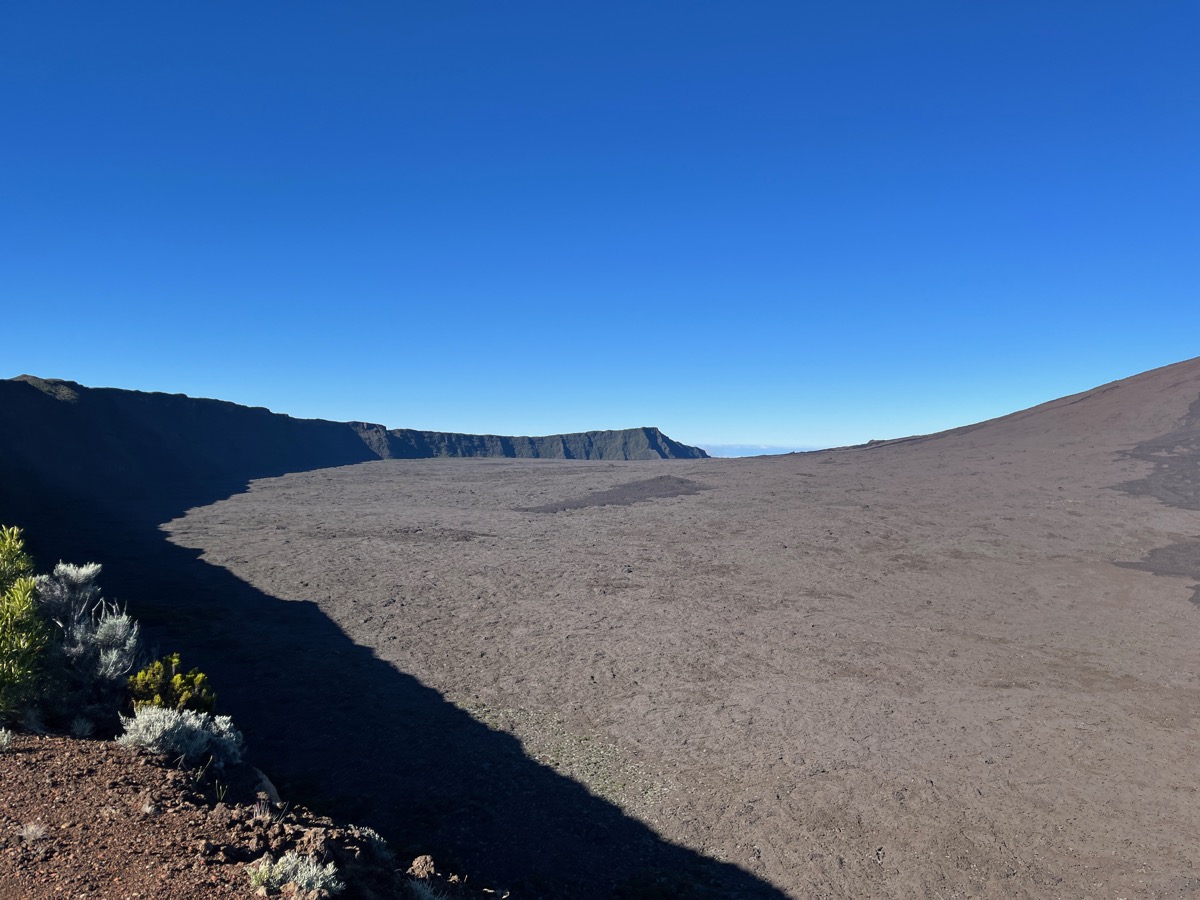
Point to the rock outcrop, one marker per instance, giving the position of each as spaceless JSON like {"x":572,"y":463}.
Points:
{"x":132,"y":447}
{"x":628,"y":443}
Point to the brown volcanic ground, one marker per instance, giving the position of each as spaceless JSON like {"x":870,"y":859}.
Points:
{"x":916,"y":669}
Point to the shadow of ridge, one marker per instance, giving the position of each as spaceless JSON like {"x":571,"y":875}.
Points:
{"x":323,"y":716}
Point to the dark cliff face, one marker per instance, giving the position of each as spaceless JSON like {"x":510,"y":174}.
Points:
{"x":150,"y":449}
{"x":629,"y":443}
{"x":128,"y":448}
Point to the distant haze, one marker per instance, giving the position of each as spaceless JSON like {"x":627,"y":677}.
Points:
{"x":730,"y":450}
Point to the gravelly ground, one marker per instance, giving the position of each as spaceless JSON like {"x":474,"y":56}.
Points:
{"x":91,"y":819}
{"x":914,"y":669}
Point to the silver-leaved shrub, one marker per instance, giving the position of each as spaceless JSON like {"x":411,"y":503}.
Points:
{"x":193,"y":737}
{"x":96,"y":645}
{"x":306,"y":872}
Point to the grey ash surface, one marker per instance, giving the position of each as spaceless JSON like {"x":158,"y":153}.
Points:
{"x":913,"y":669}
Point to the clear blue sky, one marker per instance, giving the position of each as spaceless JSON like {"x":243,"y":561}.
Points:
{"x":782,"y":223}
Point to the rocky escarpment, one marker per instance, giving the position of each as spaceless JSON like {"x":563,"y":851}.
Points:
{"x":628,"y":443}
{"x":133,"y":447}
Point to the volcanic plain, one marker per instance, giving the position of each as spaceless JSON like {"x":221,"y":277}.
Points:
{"x":961,"y":665}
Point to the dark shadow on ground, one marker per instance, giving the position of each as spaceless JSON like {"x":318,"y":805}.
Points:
{"x":625,"y":494}
{"x":1174,"y":480}
{"x":331,"y":722}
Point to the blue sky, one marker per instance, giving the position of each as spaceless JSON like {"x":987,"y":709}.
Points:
{"x":780,"y":223}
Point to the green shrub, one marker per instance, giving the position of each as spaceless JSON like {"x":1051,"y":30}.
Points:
{"x":66,"y":654}
{"x":163,"y":684}
{"x":23,"y":639}
{"x":14,"y":561}
{"x":23,"y":633}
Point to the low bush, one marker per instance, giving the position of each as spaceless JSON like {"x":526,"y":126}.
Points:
{"x":24,"y":635}
{"x":379,"y":847}
{"x":423,"y":890}
{"x":31,"y":832}
{"x":96,"y":645}
{"x":14,"y":561}
{"x":164,"y":684}
{"x":6,"y":737}
{"x":69,"y":594}
{"x":66,"y":658}
{"x":306,"y":872}
{"x":193,"y":737}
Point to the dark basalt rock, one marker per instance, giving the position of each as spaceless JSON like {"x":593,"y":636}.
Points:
{"x":136,"y":448}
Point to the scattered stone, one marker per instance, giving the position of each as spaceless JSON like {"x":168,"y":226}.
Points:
{"x":422,"y":867}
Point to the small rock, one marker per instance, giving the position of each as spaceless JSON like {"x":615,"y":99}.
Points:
{"x":422,"y":867}
{"x":312,"y":842}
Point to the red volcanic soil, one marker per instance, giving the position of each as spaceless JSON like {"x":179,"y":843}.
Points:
{"x":962,"y":665}
{"x":83,"y":818}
